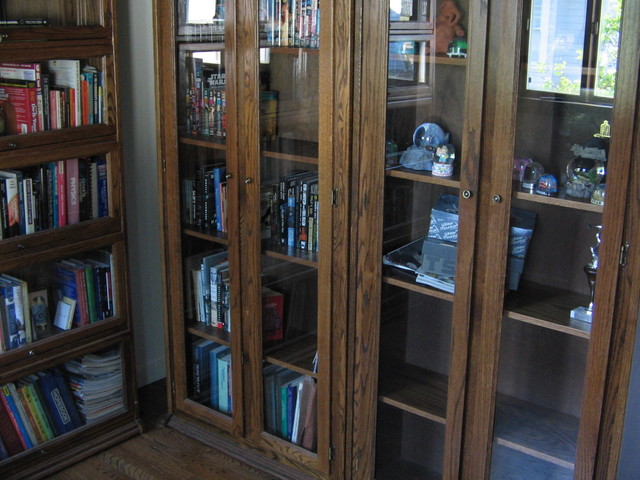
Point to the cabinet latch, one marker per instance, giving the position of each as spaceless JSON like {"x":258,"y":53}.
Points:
{"x":334,"y":197}
{"x":624,"y":252}
{"x":332,"y":452}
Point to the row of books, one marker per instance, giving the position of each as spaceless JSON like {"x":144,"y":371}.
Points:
{"x":209,"y":273}
{"x":210,"y":294}
{"x":206,"y":99}
{"x":42,"y":406}
{"x":290,"y":405}
{"x":212,"y":374}
{"x":205,"y":198}
{"x":35,"y":409}
{"x":50,"y":95}
{"x":290,"y":23}
{"x":88,"y":284}
{"x":290,"y":210}
{"x":83,"y":290}
{"x":52,"y":195}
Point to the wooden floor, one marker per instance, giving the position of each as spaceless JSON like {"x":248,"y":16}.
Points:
{"x":160,"y":453}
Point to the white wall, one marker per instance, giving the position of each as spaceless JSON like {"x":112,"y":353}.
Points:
{"x":137,"y":109}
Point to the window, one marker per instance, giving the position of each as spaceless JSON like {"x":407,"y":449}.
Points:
{"x":573,"y":47}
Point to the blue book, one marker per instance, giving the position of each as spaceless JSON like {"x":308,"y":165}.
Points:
{"x":224,"y":395}
{"x":201,"y":374}
{"x":270,"y":407}
{"x":67,"y":396}
{"x":68,"y":287}
{"x":63,"y":415}
{"x":52,"y":198}
{"x":14,"y":326}
{"x":219,"y":173}
{"x":213,"y":370}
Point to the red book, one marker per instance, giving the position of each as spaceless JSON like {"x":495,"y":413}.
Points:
{"x":73,"y":198}
{"x":8,"y":433}
{"x":20,"y":102}
{"x":62,"y":193}
{"x":31,"y":72}
{"x":272,"y":315}
{"x":7,"y":417}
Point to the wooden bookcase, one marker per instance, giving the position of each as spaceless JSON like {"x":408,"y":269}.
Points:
{"x":83,"y":32}
{"x":489,"y":381}
{"x":277,"y":119}
{"x":413,"y":381}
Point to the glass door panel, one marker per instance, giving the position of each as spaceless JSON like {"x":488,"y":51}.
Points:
{"x":562,"y":143}
{"x":426,"y":86}
{"x":289,"y":180}
{"x":201,"y":129}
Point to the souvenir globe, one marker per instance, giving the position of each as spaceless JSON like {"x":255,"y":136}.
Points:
{"x":583,"y":175}
{"x":532,"y":173}
{"x":429,"y":135}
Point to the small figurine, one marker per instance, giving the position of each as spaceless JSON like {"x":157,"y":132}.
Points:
{"x":448,"y":25}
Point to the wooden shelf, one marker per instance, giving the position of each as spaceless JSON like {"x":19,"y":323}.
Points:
{"x":547,"y":307}
{"x":203,"y":141}
{"x":560,"y":201}
{"x":404,"y":280}
{"x":216,"y":237}
{"x":291,"y":150}
{"x":290,"y":254}
{"x":39,"y":143}
{"x":539,"y":432}
{"x":296,"y":354}
{"x":508,"y":463}
{"x":414,"y":390}
{"x":210,"y":333}
{"x":53,"y":33}
{"x":422,"y":176}
{"x":290,"y":50}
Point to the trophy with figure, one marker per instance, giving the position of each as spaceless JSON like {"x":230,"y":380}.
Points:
{"x":590,"y":269}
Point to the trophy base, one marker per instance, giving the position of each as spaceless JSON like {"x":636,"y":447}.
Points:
{"x":582,"y":314}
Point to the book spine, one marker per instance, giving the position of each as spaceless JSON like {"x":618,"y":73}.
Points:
{"x":26,"y":412}
{"x":17,"y":421}
{"x":13,"y":206}
{"x":72,"y":190}
{"x":31,"y":396}
{"x":8,"y":432}
{"x":61,"y":177}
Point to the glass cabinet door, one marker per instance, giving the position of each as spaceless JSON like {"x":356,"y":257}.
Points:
{"x":207,"y":334}
{"x":290,"y":204}
{"x":424,"y":221}
{"x":551,"y":344}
